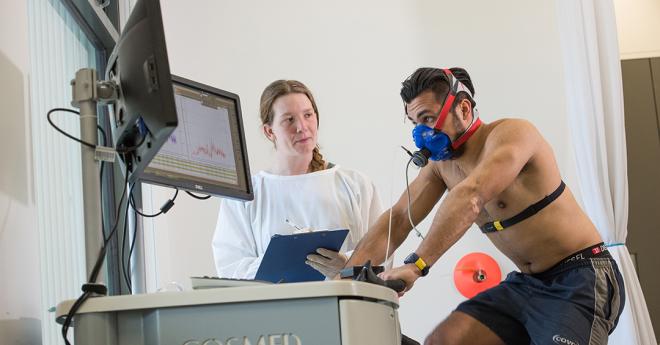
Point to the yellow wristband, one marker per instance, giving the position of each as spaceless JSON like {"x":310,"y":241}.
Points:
{"x":420,"y":264}
{"x":413,"y":258}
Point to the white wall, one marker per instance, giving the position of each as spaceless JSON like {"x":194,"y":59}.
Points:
{"x":638,"y":26}
{"x":19,"y":261}
{"x":354,"y":55}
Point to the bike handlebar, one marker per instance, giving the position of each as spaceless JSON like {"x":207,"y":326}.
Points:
{"x":397,"y":285}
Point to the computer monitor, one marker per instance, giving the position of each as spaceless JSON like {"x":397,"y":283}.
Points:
{"x":206,"y":153}
{"x":144,"y":115}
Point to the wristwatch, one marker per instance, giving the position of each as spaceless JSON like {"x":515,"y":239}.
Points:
{"x":421,"y":264}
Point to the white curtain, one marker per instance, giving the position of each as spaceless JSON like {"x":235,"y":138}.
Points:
{"x":594,"y":95}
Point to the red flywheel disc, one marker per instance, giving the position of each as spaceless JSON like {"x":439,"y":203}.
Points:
{"x":475,"y":273}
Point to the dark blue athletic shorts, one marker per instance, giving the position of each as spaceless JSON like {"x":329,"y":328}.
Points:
{"x":576,"y":302}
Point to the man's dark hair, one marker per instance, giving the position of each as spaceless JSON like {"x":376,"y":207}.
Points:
{"x":434,"y":79}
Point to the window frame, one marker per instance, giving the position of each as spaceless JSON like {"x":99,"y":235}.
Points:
{"x":100,"y":23}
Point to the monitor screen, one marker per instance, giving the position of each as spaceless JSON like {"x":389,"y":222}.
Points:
{"x":206,"y":153}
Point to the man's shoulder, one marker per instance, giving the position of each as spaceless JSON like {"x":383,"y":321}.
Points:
{"x":511,"y":123}
{"x":511,"y":130}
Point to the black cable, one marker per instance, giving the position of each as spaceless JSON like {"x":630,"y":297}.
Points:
{"x":63,"y":132}
{"x":105,"y":142}
{"x":407,"y":151}
{"x":92,"y":287}
{"x":130,"y":251}
{"x":69,"y":316}
{"x":163,"y":209}
{"x":99,"y":260}
{"x":105,"y":137}
{"x":122,"y":251}
{"x":88,"y":144}
{"x":131,"y":148}
{"x":142,"y":214}
{"x":88,"y":289}
{"x":126,"y":268}
{"x":197,"y":196}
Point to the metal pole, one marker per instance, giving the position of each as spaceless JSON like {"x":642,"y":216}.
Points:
{"x":85,"y":98}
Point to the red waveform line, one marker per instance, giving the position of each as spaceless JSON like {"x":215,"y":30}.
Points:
{"x":209,"y":151}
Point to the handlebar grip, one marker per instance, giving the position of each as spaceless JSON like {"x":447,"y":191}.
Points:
{"x":397,"y":285}
{"x":408,"y":341}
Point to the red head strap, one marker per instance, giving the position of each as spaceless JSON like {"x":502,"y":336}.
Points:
{"x":455,"y":87}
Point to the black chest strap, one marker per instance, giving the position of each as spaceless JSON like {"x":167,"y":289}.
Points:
{"x":533,"y":209}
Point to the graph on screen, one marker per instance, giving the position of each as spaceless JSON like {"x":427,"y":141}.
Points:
{"x":201,"y":146}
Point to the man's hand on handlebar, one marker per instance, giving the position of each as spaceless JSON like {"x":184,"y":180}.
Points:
{"x":409,"y":273}
{"x":368,"y":273}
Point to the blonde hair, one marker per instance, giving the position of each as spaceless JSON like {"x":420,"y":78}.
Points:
{"x":281,"y":88}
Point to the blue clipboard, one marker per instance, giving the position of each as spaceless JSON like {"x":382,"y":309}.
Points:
{"x":284,"y":260}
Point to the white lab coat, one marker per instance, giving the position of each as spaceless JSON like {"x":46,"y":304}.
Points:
{"x":334,"y":198}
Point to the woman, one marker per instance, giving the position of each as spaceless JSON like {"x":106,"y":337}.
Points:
{"x":300,"y":190}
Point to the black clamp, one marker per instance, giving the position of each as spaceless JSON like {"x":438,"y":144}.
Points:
{"x":95,"y":288}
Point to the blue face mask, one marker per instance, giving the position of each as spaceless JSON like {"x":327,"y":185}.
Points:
{"x":435,"y":141}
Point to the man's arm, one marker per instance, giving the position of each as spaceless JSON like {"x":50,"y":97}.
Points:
{"x":425,"y":191}
{"x":508,"y":148}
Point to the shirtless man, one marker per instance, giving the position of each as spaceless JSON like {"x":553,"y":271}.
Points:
{"x":502,"y":176}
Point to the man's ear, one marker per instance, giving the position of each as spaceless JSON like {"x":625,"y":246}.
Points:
{"x":268,"y":132}
{"x":466,"y":107}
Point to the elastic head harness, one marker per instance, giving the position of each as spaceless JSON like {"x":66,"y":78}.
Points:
{"x":456,"y":87}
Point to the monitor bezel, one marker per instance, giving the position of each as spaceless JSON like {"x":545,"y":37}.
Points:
{"x":201,"y":187}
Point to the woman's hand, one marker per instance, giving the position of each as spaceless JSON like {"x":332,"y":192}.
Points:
{"x":328,"y":262}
